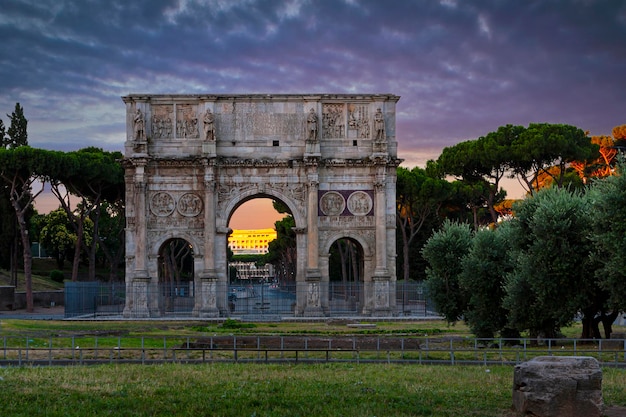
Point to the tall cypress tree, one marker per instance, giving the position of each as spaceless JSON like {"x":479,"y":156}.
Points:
{"x":17,"y":134}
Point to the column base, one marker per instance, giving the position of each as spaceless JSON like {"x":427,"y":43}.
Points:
{"x":138,"y":308}
{"x":206,"y":297}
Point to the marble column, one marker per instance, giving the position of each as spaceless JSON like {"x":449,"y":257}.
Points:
{"x":140,"y":286}
{"x":207,"y":282}
{"x":380,"y":285}
{"x":316,"y":295}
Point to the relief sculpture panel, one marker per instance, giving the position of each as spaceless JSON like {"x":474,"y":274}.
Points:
{"x":358,"y":121}
{"x":186,"y":121}
{"x":189,"y":205}
{"x":175,"y":210}
{"x":162,"y":204}
{"x":332,"y":203}
{"x":162,"y":121}
{"x":359,"y":203}
{"x":333,"y":124}
{"x":345,"y":203}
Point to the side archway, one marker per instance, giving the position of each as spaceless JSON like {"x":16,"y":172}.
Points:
{"x":346,"y":265}
{"x":176,"y":272}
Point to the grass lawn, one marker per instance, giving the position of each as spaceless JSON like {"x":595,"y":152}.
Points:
{"x":256,"y":390}
{"x":267,"y":390}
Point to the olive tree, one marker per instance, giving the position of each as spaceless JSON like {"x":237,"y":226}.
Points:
{"x":484,"y":269}
{"x":608,"y":198}
{"x":444,"y":252}
{"x":553,"y":278}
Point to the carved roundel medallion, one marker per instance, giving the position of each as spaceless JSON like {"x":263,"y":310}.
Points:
{"x":359,"y":203}
{"x":162,"y":204}
{"x":332,"y":204}
{"x":189,"y":205}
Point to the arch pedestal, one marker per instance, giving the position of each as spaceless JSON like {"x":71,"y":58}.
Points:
{"x":331,"y":159}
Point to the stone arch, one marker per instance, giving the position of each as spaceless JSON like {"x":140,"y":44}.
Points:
{"x":198,"y":157}
{"x":169,"y":235}
{"x":267,"y":192}
{"x":358,"y":237}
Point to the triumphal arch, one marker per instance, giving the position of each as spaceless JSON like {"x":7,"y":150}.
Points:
{"x":191,"y":160}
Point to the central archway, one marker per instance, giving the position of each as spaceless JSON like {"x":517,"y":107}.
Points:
{"x":262,"y":262}
{"x":191,"y":160}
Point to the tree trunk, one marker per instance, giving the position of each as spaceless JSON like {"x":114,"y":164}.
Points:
{"x":475,"y":215}
{"x":607,"y":323}
{"x":94,"y":241}
{"x":405,"y":255}
{"x":587,"y":323}
{"x":28,"y":261}
{"x":14,"y":259}
{"x":77,"y":250}
{"x":492,"y":210}
{"x":60,"y":260}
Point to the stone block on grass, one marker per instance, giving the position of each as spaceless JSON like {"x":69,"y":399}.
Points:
{"x":558,"y":386}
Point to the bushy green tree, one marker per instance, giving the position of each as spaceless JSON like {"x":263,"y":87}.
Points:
{"x":20,"y":168}
{"x":542,"y":146}
{"x":111,"y":235}
{"x":95,"y":177}
{"x":57,"y":236}
{"x":553,"y":276}
{"x":419,"y":198}
{"x":484,"y":269}
{"x":282,"y":252}
{"x":482,"y":164}
{"x":444,"y":252}
{"x":609,"y":236}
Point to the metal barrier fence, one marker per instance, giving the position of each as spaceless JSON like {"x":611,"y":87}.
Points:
{"x":86,"y":350}
{"x":245,"y":301}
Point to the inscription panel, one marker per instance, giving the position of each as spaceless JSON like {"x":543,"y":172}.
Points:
{"x":267,"y":124}
{"x":346,"y":222}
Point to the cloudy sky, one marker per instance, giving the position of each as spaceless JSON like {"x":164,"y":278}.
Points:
{"x":462,"y":67}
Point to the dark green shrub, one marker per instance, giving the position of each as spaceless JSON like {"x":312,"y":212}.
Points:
{"x":57,"y":276}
